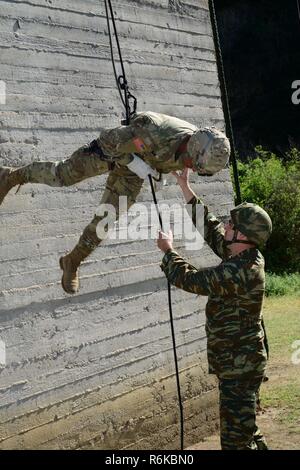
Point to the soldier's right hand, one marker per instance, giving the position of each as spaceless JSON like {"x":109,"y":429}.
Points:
{"x":182,"y":177}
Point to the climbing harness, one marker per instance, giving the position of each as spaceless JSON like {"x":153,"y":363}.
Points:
{"x":228,"y":121}
{"x":130,"y":109}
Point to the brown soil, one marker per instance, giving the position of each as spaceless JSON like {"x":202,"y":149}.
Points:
{"x":278,"y":435}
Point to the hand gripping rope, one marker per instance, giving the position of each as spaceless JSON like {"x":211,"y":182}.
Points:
{"x":126,"y":98}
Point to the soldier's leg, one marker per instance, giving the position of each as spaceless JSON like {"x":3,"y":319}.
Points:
{"x":120,"y":182}
{"x":84,"y":163}
{"x":238,"y":414}
{"x":260,"y":440}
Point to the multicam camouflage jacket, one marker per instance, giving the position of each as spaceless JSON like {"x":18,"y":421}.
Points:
{"x":155,"y":137}
{"x":235,"y":290}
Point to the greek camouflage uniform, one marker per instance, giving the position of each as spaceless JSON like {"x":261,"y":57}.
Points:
{"x":235,"y":337}
{"x":156,"y":138}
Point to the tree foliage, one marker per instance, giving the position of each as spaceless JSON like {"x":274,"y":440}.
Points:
{"x":274,"y":184}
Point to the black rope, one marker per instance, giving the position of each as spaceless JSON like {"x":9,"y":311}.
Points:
{"x":121,"y":81}
{"x":122,"y":85}
{"x":229,"y":127}
{"x":112,"y":54}
{"x":225,"y":100}
{"x":172,"y":328}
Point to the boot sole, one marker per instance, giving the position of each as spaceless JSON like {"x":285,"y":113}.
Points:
{"x":61,"y":263}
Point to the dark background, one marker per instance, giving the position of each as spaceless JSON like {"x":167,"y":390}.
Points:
{"x":260,"y":43}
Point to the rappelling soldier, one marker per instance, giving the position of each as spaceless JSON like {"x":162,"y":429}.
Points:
{"x":153,"y":143}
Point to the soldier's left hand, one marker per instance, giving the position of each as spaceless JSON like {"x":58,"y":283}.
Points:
{"x":165,"y":241}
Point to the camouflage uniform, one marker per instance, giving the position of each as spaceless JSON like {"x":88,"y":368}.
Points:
{"x":154,"y":137}
{"x":235,"y":337}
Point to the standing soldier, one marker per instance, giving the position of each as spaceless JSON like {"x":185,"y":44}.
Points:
{"x":151,"y":143}
{"x":235,"y":290}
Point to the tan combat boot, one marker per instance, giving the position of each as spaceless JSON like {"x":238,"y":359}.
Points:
{"x":9,"y":177}
{"x":70,"y":264}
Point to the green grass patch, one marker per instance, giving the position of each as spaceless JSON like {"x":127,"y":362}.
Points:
{"x":286,"y":398}
{"x":282,"y":391}
{"x":284,"y":284}
{"x":282,"y":319}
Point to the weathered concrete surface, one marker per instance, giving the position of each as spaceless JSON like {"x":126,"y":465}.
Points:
{"x":97,"y":369}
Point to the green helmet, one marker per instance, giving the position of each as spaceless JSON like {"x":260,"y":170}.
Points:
{"x":209,"y":149}
{"x":253,"y":221}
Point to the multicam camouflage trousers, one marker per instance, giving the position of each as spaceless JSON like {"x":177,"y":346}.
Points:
{"x":84,"y":163}
{"x":238,"y":429}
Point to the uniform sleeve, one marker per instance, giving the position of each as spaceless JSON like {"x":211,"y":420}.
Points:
{"x":219,"y":280}
{"x":122,"y":141}
{"x":213,"y":229}
{"x":119,"y":143}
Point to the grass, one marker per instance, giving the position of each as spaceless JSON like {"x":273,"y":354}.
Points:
{"x":282,"y":391}
{"x":282,"y":318}
{"x":286,"y":398}
{"x":284,"y":284}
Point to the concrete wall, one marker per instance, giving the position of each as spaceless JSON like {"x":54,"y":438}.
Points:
{"x":96,"y":370}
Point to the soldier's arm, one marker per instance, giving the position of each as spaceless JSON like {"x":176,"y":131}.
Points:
{"x":217,"y":280}
{"x":213,"y":228}
{"x":120,"y":142}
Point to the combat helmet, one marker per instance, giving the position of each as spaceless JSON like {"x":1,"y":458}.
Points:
{"x":253,"y":221}
{"x":209,"y":149}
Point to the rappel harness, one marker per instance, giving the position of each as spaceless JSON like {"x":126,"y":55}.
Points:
{"x":130,"y":109}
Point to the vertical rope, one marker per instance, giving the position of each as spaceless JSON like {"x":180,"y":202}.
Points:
{"x":229,"y":121}
{"x":172,"y":330}
{"x":122,"y":85}
{"x":225,"y":99}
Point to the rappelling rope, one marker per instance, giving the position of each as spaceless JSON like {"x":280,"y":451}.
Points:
{"x":172,"y":330}
{"x":122,"y":85}
{"x":225,"y":99}
{"x":121,"y":81}
{"x":228,"y":121}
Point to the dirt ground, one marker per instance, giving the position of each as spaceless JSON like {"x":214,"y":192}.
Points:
{"x":278,"y":436}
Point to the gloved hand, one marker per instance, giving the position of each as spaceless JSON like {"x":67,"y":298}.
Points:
{"x":141,"y":168}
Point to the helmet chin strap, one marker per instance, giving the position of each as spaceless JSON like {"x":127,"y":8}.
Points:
{"x":236,"y":240}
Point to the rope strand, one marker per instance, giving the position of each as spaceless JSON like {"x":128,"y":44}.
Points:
{"x":123,"y":85}
{"x":225,"y":100}
{"x":229,"y":122}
